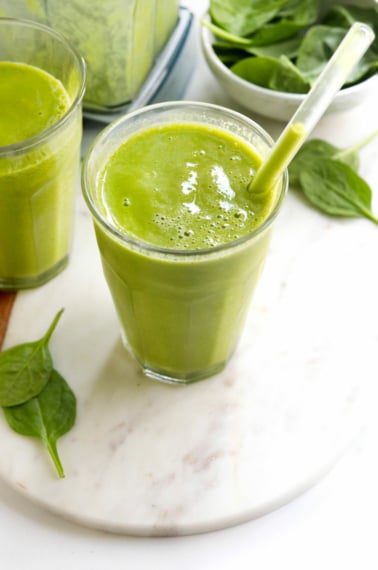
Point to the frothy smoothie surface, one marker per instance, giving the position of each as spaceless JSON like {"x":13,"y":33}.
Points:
{"x":31,"y":100}
{"x":183,"y":186}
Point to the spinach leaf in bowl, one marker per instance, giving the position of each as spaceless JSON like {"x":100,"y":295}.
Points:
{"x":229,"y":54}
{"x":281,"y":45}
{"x":278,"y":74}
{"x":289,"y":48}
{"x":318,"y":46}
{"x":243,"y":17}
{"x":344,"y":17}
{"x":294,"y":16}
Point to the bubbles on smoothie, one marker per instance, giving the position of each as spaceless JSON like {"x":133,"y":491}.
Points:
{"x":241,"y":214}
{"x":200,"y":152}
{"x":62,"y":107}
{"x":186,"y":229}
{"x":126,"y":202}
{"x":227,"y":225}
{"x":160,"y":219}
{"x":178,"y":228}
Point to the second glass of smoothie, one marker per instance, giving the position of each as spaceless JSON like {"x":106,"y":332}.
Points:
{"x":41,"y":89}
{"x":182,"y":241}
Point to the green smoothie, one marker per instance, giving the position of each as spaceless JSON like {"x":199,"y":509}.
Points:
{"x":37,"y":178}
{"x":183,"y":187}
{"x":31,"y":100}
{"x":182,"y":294}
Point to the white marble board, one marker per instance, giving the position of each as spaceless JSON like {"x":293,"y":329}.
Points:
{"x":150,"y":459}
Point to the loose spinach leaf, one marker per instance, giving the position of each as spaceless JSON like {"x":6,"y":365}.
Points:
{"x":328,"y":177}
{"x":243,"y":17}
{"x":26,"y":368}
{"x":277,"y":74}
{"x":336,"y":189}
{"x":315,"y":150}
{"x":47,"y":416}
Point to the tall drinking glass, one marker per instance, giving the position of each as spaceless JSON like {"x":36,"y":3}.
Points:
{"x":181,"y":310}
{"x":42,"y":85}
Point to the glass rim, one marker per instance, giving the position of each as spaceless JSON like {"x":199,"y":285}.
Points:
{"x":149,"y":248}
{"x":31,"y":142}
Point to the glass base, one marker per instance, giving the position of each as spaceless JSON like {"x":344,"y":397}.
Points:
{"x":168,"y":376}
{"x":13,"y":283}
{"x":189,"y":378}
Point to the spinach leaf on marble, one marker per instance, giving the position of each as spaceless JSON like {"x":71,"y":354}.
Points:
{"x":336,"y":189}
{"x":47,"y":416}
{"x":315,"y":150}
{"x":25,"y":369}
{"x":328,"y":177}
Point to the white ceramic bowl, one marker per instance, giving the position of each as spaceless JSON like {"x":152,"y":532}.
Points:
{"x":275,"y":104}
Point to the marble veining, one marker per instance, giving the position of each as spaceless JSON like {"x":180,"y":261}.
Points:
{"x":150,"y":459}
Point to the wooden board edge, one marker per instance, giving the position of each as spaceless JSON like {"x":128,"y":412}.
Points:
{"x":7,"y":299}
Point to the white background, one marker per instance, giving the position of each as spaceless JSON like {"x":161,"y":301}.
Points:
{"x":332,"y":526}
